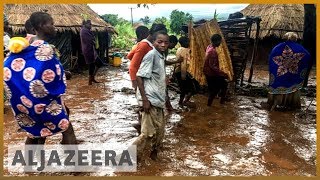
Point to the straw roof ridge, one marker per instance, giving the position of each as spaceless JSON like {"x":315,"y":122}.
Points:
{"x":65,"y":16}
{"x":277,"y":19}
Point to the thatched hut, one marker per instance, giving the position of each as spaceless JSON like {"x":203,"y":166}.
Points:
{"x":68,"y":21}
{"x":276,"y":20}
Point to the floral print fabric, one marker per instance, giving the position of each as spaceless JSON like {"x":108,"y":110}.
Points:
{"x":34,"y":81}
{"x":288,"y":63}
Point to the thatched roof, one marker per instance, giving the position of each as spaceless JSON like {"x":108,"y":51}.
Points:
{"x":277,"y":19}
{"x":66,"y":16}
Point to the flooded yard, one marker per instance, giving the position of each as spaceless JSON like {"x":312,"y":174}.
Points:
{"x":236,"y":139}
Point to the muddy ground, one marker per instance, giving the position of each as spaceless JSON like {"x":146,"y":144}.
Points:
{"x":236,"y":139}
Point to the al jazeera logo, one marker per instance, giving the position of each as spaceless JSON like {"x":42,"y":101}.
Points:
{"x":72,"y":158}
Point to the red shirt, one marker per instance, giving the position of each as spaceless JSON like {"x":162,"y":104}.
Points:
{"x":143,"y":47}
{"x":211,"y":64}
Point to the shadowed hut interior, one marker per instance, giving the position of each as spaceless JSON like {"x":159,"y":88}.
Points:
{"x":276,"y":20}
{"x":68,"y":22}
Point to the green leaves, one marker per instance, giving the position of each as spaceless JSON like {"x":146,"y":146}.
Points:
{"x":126,"y":37}
{"x":113,"y":19}
{"x":179,"y":18}
{"x":146,"y":20}
{"x":216,"y":15}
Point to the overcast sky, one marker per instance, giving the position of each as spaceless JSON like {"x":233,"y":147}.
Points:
{"x":159,"y":10}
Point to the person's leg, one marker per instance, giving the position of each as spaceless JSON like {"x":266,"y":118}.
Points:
{"x":223,"y":87}
{"x":181,"y":88}
{"x":107,"y":53}
{"x":30,"y":141}
{"x":33,"y":141}
{"x":181,"y":100}
{"x":168,"y":103}
{"x":159,"y":124}
{"x":188,"y":97}
{"x":146,"y":130}
{"x":189,"y":89}
{"x":96,"y":68}
{"x":91,"y":73}
{"x":68,"y":136}
{"x":212,"y":91}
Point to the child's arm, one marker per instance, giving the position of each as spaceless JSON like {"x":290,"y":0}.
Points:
{"x":146,"y":102}
{"x":179,"y":60}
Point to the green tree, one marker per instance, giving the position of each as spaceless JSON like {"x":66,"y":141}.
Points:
{"x":126,"y":36}
{"x":113,"y":19}
{"x":216,"y":15}
{"x":165,"y":21}
{"x":146,"y":20}
{"x":161,"y":20}
{"x":179,"y":18}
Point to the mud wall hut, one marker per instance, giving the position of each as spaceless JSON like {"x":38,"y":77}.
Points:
{"x":276,"y":20}
{"x":199,"y":40}
{"x":68,"y":21}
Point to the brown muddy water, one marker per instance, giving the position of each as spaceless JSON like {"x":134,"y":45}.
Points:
{"x":236,"y":139}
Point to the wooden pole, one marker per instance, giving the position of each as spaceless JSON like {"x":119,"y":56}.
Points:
{"x":131,"y":15}
{"x":255,"y":49}
{"x":244,"y":65}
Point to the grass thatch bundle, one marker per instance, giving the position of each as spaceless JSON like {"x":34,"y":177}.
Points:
{"x":66,"y":16}
{"x":199,"y":40}
{"x":277,"y":19}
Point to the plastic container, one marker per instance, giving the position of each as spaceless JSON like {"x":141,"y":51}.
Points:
{"x":117,"y":59}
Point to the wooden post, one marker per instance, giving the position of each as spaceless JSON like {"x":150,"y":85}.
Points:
{"x":191,"y":44}
{"x":255,"y":49}
{"x":244,"y":65}
{"x":131,"y":16}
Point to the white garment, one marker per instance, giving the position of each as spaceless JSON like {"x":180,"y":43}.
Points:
{"x":6,"y":39}
{"x":152,"y":70}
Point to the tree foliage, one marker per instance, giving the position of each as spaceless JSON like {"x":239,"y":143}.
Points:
{"x":146,"y":20}
{"x":179,"y":18}
{"x":113,"y":19}
{"x":165,"y":21}
{"x":126,"y":36}
{"x":161,"y":20}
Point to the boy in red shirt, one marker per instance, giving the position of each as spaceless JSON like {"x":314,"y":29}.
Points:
{"x":143,"y":47}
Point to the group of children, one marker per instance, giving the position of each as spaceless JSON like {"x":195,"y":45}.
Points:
{"x":35,"y":81}
{"x":148,"y":59}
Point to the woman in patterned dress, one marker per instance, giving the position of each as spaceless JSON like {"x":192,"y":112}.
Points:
{"x":35,"y":82}
{"x":288,"y":64}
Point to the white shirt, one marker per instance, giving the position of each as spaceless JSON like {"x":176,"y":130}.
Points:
{"x":152,"y":71}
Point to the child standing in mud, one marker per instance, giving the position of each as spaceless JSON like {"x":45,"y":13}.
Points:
{"x":151,"y":78}
{"x":136,"y":56}
{"x":216,"y":79}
